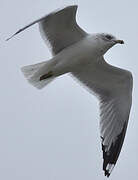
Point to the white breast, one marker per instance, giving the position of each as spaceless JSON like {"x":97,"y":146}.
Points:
{"x":78,"y":55}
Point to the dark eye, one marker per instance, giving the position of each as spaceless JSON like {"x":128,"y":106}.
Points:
{"x":109,"y":37}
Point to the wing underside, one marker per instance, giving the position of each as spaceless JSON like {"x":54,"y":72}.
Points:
{"x":113,"y":87}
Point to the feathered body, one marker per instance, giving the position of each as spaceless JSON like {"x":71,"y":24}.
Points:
{"x":81,"y":54}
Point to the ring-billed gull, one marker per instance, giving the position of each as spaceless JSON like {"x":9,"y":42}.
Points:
{"x":81,"y":54}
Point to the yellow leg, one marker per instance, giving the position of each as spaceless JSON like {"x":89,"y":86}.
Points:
{"x":45,"y":76}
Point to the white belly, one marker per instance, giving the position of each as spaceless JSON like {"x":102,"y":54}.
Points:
{"x":76,"y":56}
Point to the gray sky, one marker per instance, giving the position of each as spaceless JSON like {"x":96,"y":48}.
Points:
{"x":53,"y":134}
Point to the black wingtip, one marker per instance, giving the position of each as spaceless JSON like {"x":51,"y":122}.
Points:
{"x":106,"y":173}
{"x":10,"y":37}
{"x":13,"y":35}
{"x":110,"y":157}
{"x":20,"y":30}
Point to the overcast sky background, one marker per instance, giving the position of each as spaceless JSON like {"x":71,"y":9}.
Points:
{"x":53,"y":134}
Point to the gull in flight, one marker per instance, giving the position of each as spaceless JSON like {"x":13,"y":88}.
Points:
{"x":81,"y":54}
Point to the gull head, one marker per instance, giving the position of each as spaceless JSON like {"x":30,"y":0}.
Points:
{"x":106,"y":41}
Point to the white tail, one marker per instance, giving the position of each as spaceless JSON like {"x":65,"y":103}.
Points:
{"x":33,"y":73}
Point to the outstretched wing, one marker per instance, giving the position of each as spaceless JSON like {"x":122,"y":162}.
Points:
{"x":113,"y":124}
{"x":113,"y":87}
{"x":59,"y":29}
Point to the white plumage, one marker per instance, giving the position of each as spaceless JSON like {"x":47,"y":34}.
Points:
{"x":81,"y":54}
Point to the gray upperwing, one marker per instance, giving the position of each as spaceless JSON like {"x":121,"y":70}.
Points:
{"x":59,"y":29}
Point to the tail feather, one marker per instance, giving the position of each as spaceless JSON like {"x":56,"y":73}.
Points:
{"x":33,"y":73}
